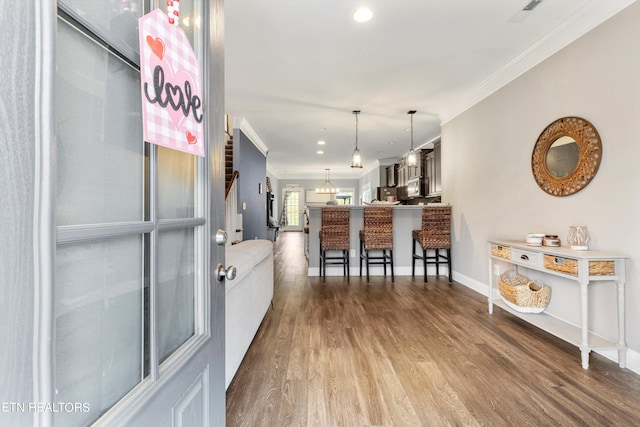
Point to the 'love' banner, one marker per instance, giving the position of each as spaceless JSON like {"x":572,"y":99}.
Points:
{"x":172,"y":108}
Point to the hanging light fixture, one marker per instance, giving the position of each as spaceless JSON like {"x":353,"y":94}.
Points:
{"x":411,"y":157}
{"x":356,"y":158}
{"x":327,"y":187}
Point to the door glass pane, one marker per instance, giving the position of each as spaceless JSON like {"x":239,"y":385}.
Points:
{"x":190,"y":20}
{"x":118,"y":17}
{"x":99,"y":146}
{"x":176,"y":290}
{"x":98,"y":318}
{"x":176,"y":173}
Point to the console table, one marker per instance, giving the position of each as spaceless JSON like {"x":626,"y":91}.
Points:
{"x":582,"y":267}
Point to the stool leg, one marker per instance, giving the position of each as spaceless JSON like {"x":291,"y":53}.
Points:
{"x":344,"y":262}
{"x":384,"y":261}
{"x":393,"y":277}
{"x":424,"y":263}
{"x":361,"y":255}
{"x":449,"y":264}
{"x":366,"y":260}
{"x":322,"y":255}
{"x":413,"y":258}
{"x":348,"y":264}
{"x":437,"y":262}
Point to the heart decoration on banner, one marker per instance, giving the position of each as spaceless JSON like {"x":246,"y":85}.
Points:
{"x":172,"y":107}
{"x":191,"y":138}
{"x":157,"y":46}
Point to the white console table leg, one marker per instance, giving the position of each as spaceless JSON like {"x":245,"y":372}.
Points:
{"x":622,"y":344}
{"x":584,"y":307}
{"x":490,"y":285}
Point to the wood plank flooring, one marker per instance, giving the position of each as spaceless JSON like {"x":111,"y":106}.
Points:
{"x":348,"y":353}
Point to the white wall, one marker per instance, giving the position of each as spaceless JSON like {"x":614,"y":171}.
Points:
{"x":369,"y":182}
{"x":486,"y":157}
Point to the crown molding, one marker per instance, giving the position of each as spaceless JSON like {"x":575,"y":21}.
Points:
{"x":242,"y":124}
{"x":586,"y":19}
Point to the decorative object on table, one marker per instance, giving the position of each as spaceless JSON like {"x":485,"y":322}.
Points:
{"x":534,"y":239}
{"x":566,"y":156}
{"x":356,"y":158}
{"x":522,"y":294}
{"x":579,"y":238}
{"x":551,"y":240}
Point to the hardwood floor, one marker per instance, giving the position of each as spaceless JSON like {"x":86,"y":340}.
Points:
{"x":408,"y":354}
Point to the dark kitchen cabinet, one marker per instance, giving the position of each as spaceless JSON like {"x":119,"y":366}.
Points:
{"x":392,"y":175}
{"x":432,"y":166}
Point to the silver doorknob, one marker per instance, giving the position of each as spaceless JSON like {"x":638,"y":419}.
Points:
{"x":229,"y":273}
{"x":221,"y":237}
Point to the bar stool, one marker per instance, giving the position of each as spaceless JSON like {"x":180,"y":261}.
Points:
{"x":376,"y":235}
{"x":334,"y":236}
{"x":434,"y":235}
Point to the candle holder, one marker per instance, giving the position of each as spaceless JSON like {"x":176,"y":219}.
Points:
{"x":579,"y":238}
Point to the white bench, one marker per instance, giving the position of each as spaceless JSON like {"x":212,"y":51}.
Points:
{"x":247,"y":298}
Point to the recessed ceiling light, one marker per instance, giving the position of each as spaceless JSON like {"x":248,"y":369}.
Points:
{"x":320,"y":152}
{"x":321,"y":142}
{"x":363,"y":14}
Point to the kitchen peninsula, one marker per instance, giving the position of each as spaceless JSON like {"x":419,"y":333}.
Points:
{"x":406,"y":218}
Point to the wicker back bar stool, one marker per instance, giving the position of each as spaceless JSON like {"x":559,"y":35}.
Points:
{"x":434,"y":235}
{"x":334,"y":236}
{"x":377,"y":235}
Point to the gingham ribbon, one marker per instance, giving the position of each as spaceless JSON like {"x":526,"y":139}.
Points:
{"x":173,"y":11}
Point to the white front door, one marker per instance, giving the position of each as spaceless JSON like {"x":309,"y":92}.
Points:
{"x":127,"y":315}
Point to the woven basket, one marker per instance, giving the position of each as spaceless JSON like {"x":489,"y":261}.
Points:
{"x":522,"y":294}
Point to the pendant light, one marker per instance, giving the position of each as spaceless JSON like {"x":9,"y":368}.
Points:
{"x":327,"y":187}
{"x":356,"y":158}
{"x":411,"y":157}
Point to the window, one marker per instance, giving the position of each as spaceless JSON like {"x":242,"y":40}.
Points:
{"x":345,"y":197}
{"x":129,"y":216}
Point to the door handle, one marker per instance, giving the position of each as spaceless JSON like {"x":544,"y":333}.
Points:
{"x":221,"y":237}
{"x":222,"y":273}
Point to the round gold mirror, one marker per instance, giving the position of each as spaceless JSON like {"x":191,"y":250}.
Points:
{"x":566,"y":156}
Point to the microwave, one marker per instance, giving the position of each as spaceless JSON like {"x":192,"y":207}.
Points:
{"x":414,"y":187}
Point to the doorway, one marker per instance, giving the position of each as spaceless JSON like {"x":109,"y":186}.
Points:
{"x":292,"y":216}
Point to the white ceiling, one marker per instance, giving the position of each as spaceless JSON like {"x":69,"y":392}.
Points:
{"x":296,"y":67}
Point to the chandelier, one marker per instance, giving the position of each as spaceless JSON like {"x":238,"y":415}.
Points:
{"x":411,"y":157}
{"x":356,"y":158}
{"x":327,"y":187}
